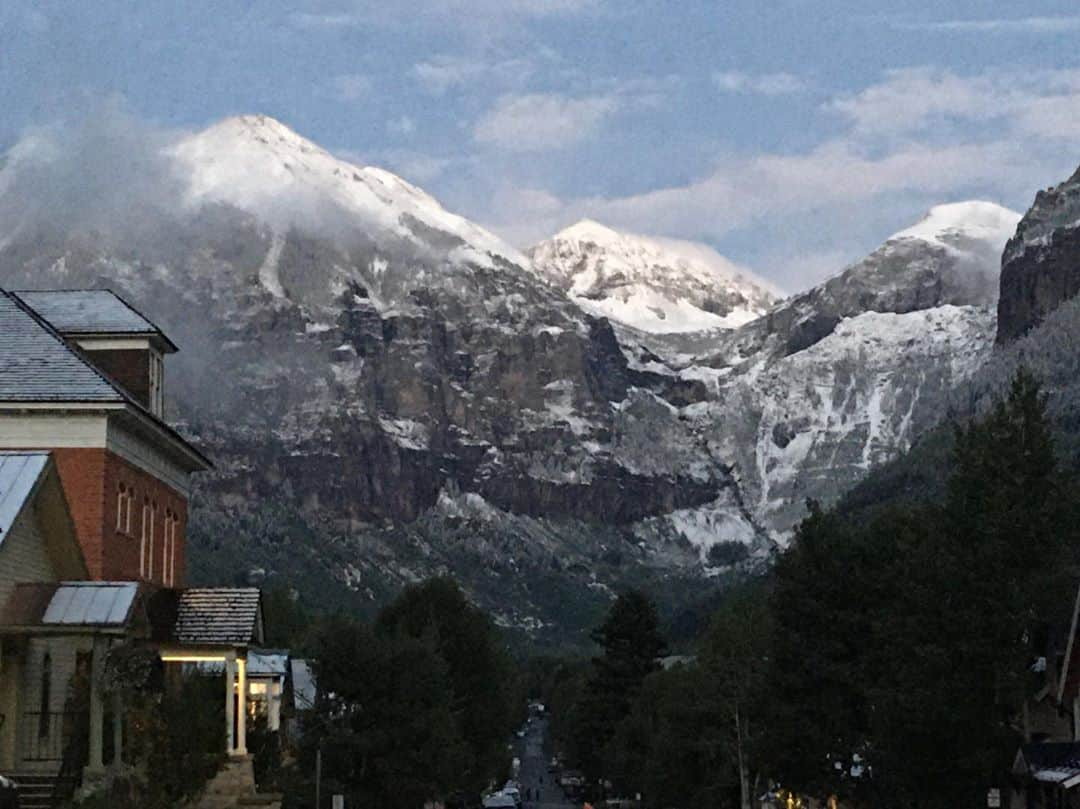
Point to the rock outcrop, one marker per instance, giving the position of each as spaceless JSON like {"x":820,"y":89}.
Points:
{"x":1040,"y":268}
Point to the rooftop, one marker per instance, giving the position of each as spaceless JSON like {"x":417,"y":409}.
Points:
{"x":88,"y":311}
{"x":19,"y":474}
{"x":70,"y":604}
{"x":218,"y":616}
{"x":36,"y":365}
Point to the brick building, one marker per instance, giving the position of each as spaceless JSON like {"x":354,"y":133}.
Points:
{"x":94,"y":489}
{"x":83,"y":376}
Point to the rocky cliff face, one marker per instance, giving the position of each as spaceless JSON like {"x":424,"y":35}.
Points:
{"x":1041,"y":265}
{"x":390,"y":392}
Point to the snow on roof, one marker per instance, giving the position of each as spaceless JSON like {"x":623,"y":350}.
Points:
{"x":91,"y":602}
{"x":217,"y":616}
{"x":19,"y":474}
{"x":267,"y":662}
{"x":37,"y":365}
{"x":71,"y":604}
{"x":87,"y":311}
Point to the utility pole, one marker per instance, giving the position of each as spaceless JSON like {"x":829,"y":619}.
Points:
{"x":318,"y":776}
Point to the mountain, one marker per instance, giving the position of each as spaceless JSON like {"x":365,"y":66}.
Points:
{"x":1038,"y":270}
{"x":1038,"y":328}
{"x":832,"y":382}
{"x":655,"y":285}
{"x":390,"y":392}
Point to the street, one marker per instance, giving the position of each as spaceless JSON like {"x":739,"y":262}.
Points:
{"x":539,"y":788}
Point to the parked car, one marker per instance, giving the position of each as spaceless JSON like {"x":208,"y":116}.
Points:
{"x":514,"y":791}
{"x":500,"y":800}
{"x":9,"y":793}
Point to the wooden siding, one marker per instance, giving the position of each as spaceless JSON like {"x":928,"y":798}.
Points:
{"x":24,"y":556}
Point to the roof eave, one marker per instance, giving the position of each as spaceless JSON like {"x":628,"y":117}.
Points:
{"x":196,"y":460}
{"x":157,"y":337}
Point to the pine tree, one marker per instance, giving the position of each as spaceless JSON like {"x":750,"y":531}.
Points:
{"x":989,"y":567}
{"x":632,"y":645}
{"x":817,"y":714}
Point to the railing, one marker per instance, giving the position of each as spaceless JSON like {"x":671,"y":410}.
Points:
{"x":44,"y":736}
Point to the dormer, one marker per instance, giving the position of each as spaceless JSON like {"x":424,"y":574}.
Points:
{"x":117,"y":338}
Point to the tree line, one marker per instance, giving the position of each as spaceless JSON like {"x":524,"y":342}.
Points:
{"x":885,"y":660}
{"x":414,"y":708}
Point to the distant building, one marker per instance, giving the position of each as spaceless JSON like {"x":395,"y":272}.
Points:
{"x":1047,"y":766}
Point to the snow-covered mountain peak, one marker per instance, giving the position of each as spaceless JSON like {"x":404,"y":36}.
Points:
{"x":649,"y":283}
{"x":589,"y":230}
{"x":260,"y":165}
{"x":959,"y":224}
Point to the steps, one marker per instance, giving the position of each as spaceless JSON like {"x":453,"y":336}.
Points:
{"x":235,"y":781}
{"x":35,"y":789}
{"x":261,"y":800}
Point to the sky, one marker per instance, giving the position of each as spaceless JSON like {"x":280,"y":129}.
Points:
{"x":791,"y":135}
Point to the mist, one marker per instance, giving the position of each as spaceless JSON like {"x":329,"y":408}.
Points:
{"x":101,"y":170}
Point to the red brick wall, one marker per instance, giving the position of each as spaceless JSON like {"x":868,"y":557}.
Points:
{"x":82,"y":473}
{"x":92,"y":479}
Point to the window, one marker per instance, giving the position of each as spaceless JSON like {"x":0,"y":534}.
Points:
{"x":45,"y":697}
{"x":167,"y":548}
{"x":157,"y":384}
{"x":168,"y":560}
{"x":124,"y":498}
{"x":146,"y":548}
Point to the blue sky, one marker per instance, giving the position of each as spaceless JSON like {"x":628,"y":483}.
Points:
{"x":791,"y":135}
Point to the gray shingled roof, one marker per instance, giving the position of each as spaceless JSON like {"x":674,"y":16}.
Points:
{"x":19,"y":473}
{"x":87,"y":311}
{"x":218,"y":616}
{"x":37,"y":366}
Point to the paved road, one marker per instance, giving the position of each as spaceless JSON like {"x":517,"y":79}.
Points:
{"x":539,"y":789}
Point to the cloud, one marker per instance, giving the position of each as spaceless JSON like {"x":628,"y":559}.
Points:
{"x":914,"y":138}
{"x":403,"y":126}
{"x":1015,"y":25}
{"x":352,"y":86}
{"x":100,"y":169}
{"x":415,"y":167}
{"x":446,"y":72}
{"x":766,"y":84}
{"x":924,"y":99}
{"x":461,"y":13}
{"x":339,"y":20}
{"x":541,"y":121}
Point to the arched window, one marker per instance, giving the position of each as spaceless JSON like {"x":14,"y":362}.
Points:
{"x":46,"y":695}
{"x":167,"y":549}
{"x":121,"y":493}
{"x":146,"y":545}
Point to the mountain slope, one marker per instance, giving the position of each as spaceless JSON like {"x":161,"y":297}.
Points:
{"x":654,"y":285}
{"x":836,"y":380}
{"x":389,"y":392}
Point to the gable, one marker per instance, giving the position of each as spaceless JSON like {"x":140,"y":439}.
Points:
{"x":37,"y":535}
